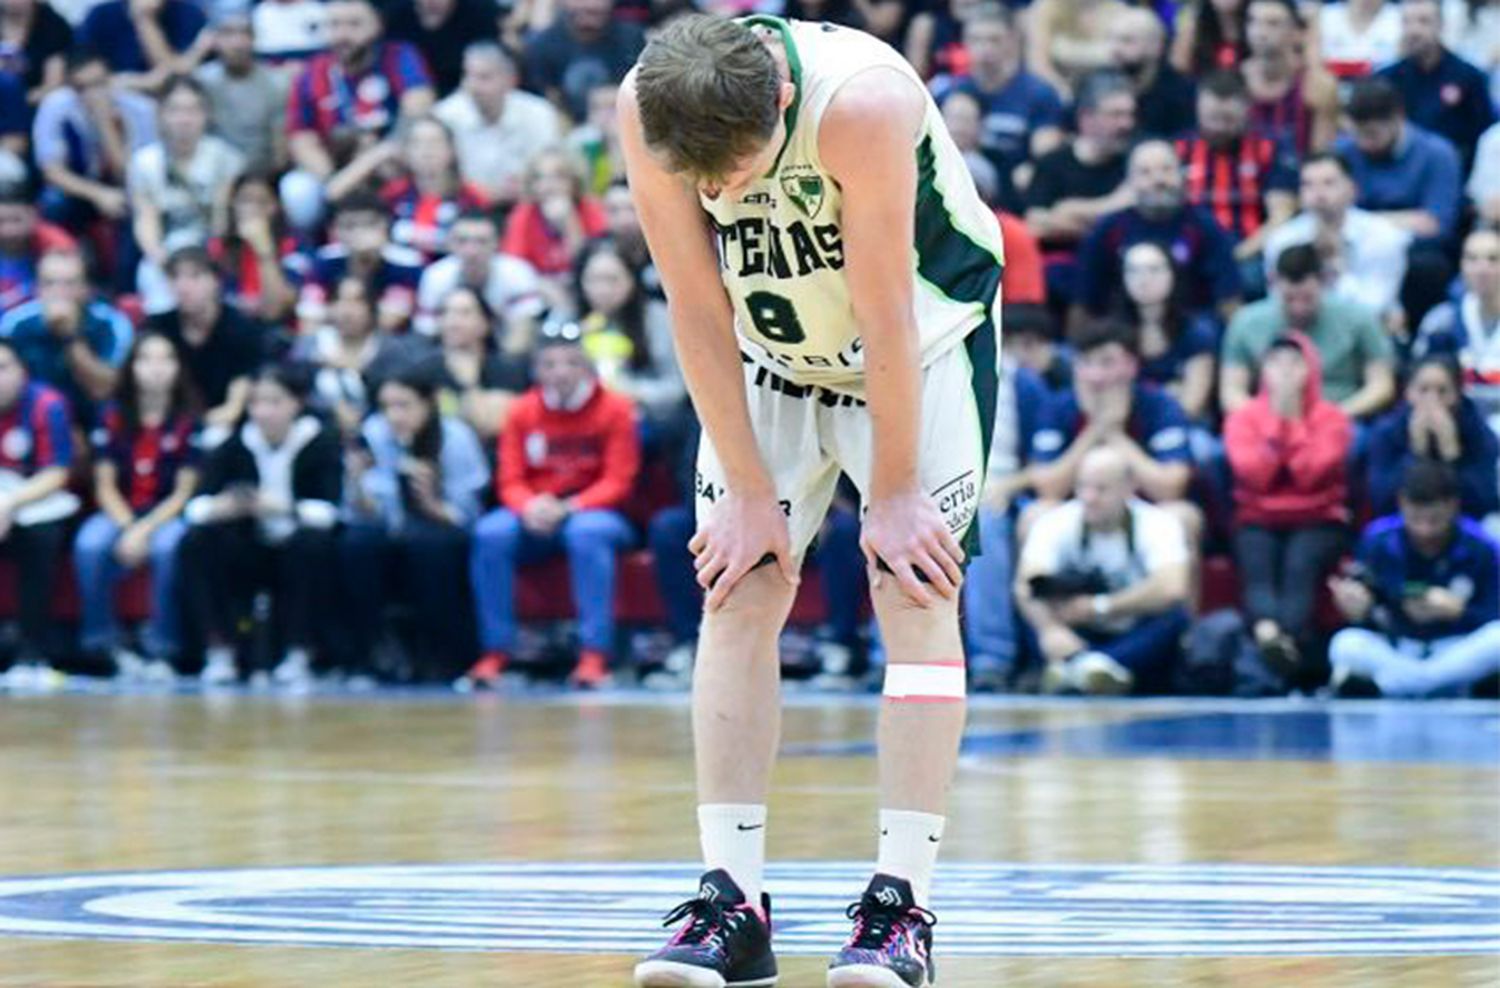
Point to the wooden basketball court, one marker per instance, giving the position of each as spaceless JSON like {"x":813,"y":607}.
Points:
{"x":379,"y":840}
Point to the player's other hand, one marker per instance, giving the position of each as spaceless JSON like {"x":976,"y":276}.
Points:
{"x":907,"y":532}
{"x":740,"y":531}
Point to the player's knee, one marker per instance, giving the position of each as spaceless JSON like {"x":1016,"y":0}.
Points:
{"x":761,"y":597}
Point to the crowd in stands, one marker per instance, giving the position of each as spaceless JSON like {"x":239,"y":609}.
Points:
{"x":336,"y":320}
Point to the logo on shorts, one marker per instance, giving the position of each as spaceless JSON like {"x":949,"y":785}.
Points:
{"x":958,"y":499}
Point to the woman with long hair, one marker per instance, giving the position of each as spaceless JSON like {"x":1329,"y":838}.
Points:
{"x":479,"y":380}
{"x":265,"y":520}
{"x":431,"y":193}
{"x":415,"y":486}
{"x":1177,"y":347}
{"x":253,"y":250}
{"x":1210,"y":35}
{"x":344,"y":354}
{"x":553,"y":220}
{"x":145,"y":471}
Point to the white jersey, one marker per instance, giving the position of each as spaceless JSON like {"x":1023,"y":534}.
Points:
{"x":781,"y":248}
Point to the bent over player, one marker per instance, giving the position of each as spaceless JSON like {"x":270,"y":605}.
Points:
{"x":833,"y":283}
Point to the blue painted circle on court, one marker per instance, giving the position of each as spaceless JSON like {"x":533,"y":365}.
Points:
{"x":983,"y":910}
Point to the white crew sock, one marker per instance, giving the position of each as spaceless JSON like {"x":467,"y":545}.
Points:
{"x":909,"y":844}
{"x":733,"y":836}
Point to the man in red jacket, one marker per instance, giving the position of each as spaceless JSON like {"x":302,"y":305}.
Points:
{"x":1289,"y":449}
{"x":569,"y":454}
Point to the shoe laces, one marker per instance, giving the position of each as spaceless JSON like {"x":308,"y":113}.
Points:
{"x":875,"y":924}
{"x":711,"y":923}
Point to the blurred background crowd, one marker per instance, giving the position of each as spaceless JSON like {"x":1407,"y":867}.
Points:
{"x":331,"y":347}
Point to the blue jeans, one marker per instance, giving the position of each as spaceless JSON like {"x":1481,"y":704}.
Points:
{"x":1411,"y":668}
{"x":591,"y":539}
{"x":98,"y":573}
{"x":681,"y":597}
{"x":1150,"y":648}
{"x":989,"y":617}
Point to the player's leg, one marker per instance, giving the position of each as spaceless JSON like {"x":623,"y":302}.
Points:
{"x":725,"y":939}
{"x":923,"y":706}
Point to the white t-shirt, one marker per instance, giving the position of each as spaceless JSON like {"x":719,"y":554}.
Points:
{"x":513,"y":290}
{"x":490,"y":154}
{"x":1057,"y":543}
{"x":288,"y":30}
{"x":1347,"y":53}
{"x":186,"y":196}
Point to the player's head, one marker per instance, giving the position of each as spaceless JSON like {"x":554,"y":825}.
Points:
{"x":711,"y":98}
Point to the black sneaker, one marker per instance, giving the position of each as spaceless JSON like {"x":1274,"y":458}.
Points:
{"x":726,"y":943}
{"x":891,"y":946}
{"x":1354,"y":686}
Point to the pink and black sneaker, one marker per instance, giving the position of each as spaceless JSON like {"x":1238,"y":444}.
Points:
{"x":725,"y":943}
{"x":891,"y":946}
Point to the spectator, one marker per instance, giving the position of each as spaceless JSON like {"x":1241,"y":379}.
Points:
{"x":1084,"y":179}
{"x":220,"y":347}
{"x":1469,"y":326}
{"x":1030,"y":342}
{"x":1436,"y":422}
{"x":498,"y":127}
{"x":1163,"y":96}
{"x":1291,"y":94}
{"x":67,"y":341}
{"x":1109,"y":406}
{"x":264,"y":521}
{"x":34,"y":43}
{"x":480,"y":381}
{"x":145,"y":41}
{"x":1159,"y":213}
{"x":145,"y":470}
{"x":344,"y":105}
{"x":256,"y":250}
{"x":568,"y":457}
{"x":623,"y":226}
{"x":1289,"y":449}
{"x":361,"y":246}
{"x":1365,"y":253}
{"x":1177,"y":347}
{"x":83,"y":138}
{"x":583,"y":47}
{"x":935,"y":44}
{"x":344,"y":355}
{"x":1443,"y":93}
{"x":35,"y":505}
{"x":1246,"y":180}
{"x":596,"y":141}
{"x":246,"y":99}
{"x":508,"y":284}
{"x":1103,"y":583}
{"x":627,"y":336}
{"x":289,"y":32}
{"x":1021,"y":115}
{"x":1427,"y":598}
{"x":15,"y":129}
{"x":414,"y":489}
{"x":438,"y":28}
{"x":1358,"y":365}
{"x":24,"y":239}
{"x":179,"y":187}
{"x":1358,"y":37}
{"x":1483,"y":188}
{"x":1209,"y":36}
{"x":1407,"y":174}
{"x":548,"y":228}
{"x":1068,"y":40}
{"x":431,"y":193}
{"x":1469,"y":31}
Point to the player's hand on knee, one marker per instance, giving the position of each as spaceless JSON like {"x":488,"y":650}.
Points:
{"x":739,"y":534}
{"x":905,"y":536}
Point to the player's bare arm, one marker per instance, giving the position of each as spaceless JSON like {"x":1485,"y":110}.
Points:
{"x":867,"y":143}
{"x":748,"y":522}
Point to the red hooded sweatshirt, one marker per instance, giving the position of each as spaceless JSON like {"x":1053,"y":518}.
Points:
{"x":1290,"y":472}
{"x":591,"y":455}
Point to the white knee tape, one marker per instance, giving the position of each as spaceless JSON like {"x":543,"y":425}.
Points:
{"x":925,"y":682}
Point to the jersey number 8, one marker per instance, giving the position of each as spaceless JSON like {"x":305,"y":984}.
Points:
{"x":774,"y":317}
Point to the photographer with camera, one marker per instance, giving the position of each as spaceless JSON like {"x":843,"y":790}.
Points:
{"x":1103,"y":582}
{"x":1426,"y":593}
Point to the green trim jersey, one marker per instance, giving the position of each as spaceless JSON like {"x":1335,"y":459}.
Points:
{"x":781,"y":248}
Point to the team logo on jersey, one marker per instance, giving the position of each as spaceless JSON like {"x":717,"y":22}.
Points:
{"x":571,"y":908}
{"x":804,"y":187}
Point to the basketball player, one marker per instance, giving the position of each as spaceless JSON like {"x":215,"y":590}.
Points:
{"x":832,"y":276}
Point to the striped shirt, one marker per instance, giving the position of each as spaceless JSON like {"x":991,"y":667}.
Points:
{"x":1231,"y":182}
